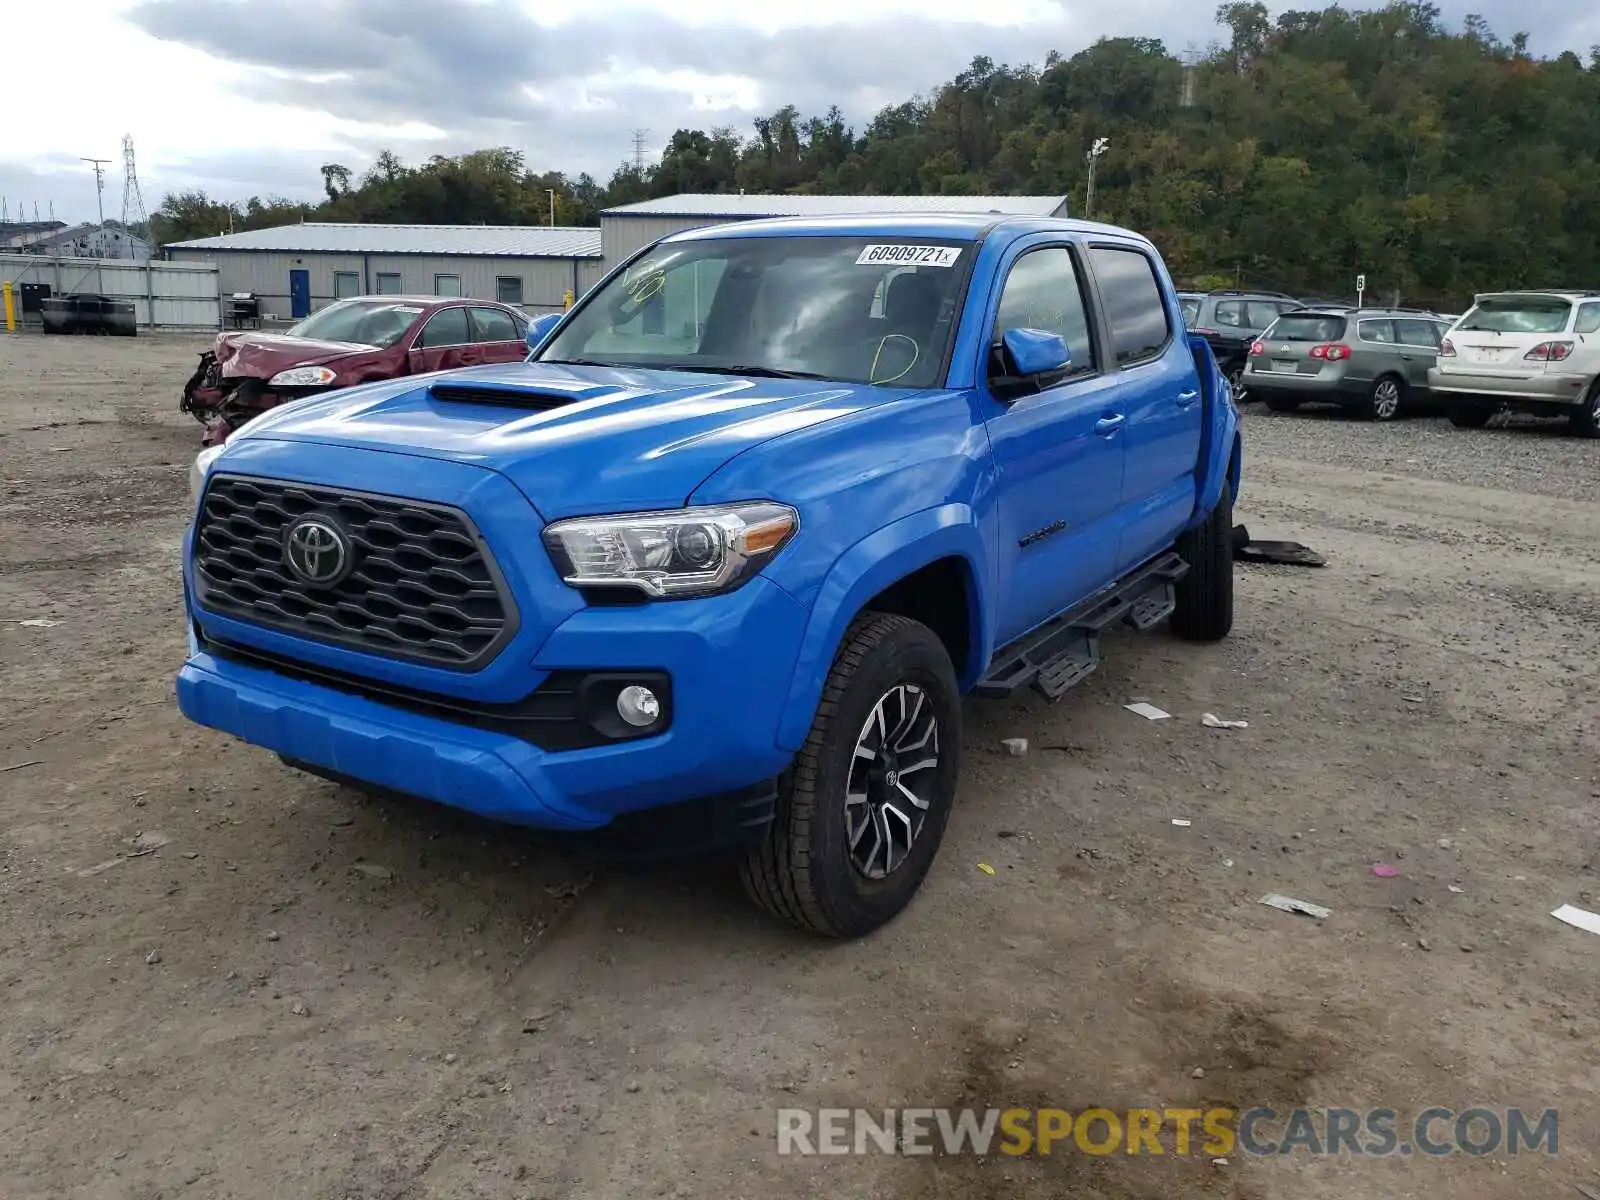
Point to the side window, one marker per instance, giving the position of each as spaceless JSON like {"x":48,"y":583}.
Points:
{"x":447,"y":327}
{"x":1417,"y":333}
{"x":492,"y":325}
{"x":1135,"y":309}
{"x":1230,"y":313}
{"x":1376,"y":331}
{"x":1191,"y":310}
{"x":1261,"y":313}
{"x":1043,"y":291}
{"x":1588,"y":319}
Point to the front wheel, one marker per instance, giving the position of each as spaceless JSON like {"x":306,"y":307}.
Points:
{"x":1383,"y":401}
{"x":1205,"y":595}
{"x":862,"y":811}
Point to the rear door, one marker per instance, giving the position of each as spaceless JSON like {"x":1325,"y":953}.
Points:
{"x":1374,"y":351}
{"x":498,"y":335}
{"x":1058,"y":443}
{"x":1493,"y":339}
{"x":445,"y":342}
{"x":1419,"y":344}
{"x":1160,"y":393}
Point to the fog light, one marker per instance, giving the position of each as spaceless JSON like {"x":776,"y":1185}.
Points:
{"x":638,"y":706}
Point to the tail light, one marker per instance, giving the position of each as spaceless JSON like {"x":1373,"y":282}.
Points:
{"x":1550,"y":352}
{"x":1334,"y":352}
{"x":1257,"y":348}
{"x":1447,"y":349}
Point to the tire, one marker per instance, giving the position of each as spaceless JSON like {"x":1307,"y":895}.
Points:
{"x":1467,"y":415}
{"x":806,"y":871}
{"x":1283,"y":404}
{"x":1236,"y":385}
{"x":1384,"y":399}
{"x":1205,"y":595}
{"x":1585,"y":422}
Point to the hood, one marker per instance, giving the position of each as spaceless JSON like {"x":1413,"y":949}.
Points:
{"x":575,"y":440}
{"x":263,"y":355}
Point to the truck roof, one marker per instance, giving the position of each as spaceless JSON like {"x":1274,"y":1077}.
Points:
{"x":962,"y":226}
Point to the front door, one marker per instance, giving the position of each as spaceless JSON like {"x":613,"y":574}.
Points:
{"x":299,"y":294}
{"x":445,"y":343}
{"x":1058,"y":448}
{"x":1157,"y":384}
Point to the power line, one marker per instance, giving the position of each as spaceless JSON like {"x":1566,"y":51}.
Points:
{"x":639,"y":136}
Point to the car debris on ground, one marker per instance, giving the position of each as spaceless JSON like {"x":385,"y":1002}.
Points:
{"x":1289,"y":904}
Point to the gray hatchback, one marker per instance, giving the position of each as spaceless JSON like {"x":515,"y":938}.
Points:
{"x":1370,"y":360}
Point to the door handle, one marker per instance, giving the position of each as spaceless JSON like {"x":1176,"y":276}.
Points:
{"x":1108,"y":425}
{"x":1186,"y":399}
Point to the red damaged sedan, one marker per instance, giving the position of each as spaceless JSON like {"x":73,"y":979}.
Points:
{"x":359,"y":340}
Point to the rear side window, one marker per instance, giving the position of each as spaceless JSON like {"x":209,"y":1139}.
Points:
{"x":1376,"y":331}
{"x":1308,"y":327}
{"x":1418,"y":333}
{"x":1191,"y":310}
{"x":447,"y":327}
{"x":492,"y":325}
{"x":1517,"y":314}
{"x":1135,"y":310}
{"x":1043,"y":292}
{"x":1588,"y":319}
{"x":1230,"y":313}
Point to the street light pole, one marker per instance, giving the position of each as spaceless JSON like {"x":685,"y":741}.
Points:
{"x":1095,"y":151}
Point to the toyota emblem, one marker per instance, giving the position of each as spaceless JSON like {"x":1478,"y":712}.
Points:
{"x":317,"y":551}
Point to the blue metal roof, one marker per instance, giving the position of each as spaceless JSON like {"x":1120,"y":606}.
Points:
{"x":335,"y":237}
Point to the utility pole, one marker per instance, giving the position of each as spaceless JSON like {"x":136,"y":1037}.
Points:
{"x":552,"y":192}
{"x":1095,"y":151}
{"x":99,"y":186}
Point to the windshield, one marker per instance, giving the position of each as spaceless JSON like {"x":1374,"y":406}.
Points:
{"x":854,"y":309}
{"x":1517,"y":314}
{"x":366,"y":322}
{"x":1305,"y":327}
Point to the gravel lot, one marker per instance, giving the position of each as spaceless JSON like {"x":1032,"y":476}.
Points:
{"x":223,"y":979}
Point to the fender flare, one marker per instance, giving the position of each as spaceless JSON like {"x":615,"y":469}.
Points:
{"x":1221,"y":443}
{"x":860,"y":573}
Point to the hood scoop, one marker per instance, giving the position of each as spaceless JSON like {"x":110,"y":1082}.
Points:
{"x":506,"y":396}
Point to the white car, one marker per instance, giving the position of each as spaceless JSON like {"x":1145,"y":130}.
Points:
{"x":1534,"y":352}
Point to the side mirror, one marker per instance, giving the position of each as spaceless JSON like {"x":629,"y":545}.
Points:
{"x":539,"y":328}
{"x":1030,"y":352}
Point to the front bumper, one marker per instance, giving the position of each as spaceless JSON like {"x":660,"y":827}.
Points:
{"x":730,"y":659}
{"x":1540,"y":387}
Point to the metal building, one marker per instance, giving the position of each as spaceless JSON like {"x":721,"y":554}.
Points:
{"x":296,"y":269}
{"x":631,"y":227}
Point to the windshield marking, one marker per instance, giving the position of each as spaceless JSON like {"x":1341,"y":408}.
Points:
{"x":910,"y":256}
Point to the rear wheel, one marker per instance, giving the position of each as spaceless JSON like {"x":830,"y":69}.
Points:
{"x":1586,"y":420}
{"x":1383,"y":401}
{"x":1236,"y":385}
{"x":862,"y":811}
{"x":1468,"y":414}
{"x":1205,"y":595}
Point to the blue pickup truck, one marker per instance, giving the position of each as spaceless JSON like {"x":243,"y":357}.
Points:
{"x":716,"y":565}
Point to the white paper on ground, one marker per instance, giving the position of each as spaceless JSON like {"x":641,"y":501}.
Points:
{"x":1290,"y":905}
{"x":1212,"y":721}
{"x":1578,"y":917}
{"x":1148,"y":711}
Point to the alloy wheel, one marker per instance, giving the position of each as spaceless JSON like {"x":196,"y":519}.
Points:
{"x":1236,"y":385}
{"x":892,"y":780}
{"x":1385,"y":399}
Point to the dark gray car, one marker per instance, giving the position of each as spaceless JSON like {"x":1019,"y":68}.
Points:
{"x":1230,"y":321}
{"x":1373,"y":361}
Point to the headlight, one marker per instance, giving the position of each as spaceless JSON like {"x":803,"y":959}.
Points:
{"x":198,"y":468}
{"x":302,"y":377}
{"x":691,"y":552}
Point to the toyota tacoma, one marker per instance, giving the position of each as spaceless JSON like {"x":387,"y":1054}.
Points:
{"x":722,"y":557}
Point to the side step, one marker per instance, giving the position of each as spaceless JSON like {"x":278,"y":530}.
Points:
{"x":1065,"y":651}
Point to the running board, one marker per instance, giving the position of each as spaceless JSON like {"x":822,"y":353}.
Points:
{"x":1065,"y":652}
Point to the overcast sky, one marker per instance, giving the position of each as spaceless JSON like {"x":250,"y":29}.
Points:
{"x":251,"y":97}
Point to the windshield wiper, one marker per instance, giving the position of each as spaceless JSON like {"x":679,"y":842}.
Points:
{"x":757,"y":372}
{"x":575,"y":362}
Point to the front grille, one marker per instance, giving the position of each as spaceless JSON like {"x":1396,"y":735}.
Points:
{"x":420,"y":586}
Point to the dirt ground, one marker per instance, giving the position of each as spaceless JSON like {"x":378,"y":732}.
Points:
{"x":303,"y":992}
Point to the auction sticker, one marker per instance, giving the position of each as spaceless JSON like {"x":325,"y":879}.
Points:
{"x":909,"y":256}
